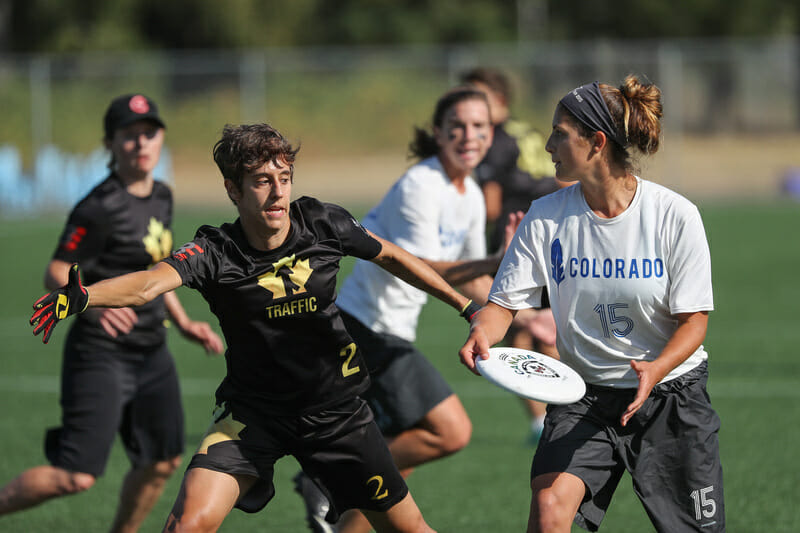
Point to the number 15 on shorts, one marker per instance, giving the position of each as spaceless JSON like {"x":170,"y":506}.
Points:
{"x":704,"y":504}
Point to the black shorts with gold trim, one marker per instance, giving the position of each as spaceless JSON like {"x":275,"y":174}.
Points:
{"x":340,"y":448}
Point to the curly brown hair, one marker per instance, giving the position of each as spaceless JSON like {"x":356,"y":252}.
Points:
{"x":249,"y":146}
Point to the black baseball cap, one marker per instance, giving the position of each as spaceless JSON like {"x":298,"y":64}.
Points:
{"x":129,"y":108}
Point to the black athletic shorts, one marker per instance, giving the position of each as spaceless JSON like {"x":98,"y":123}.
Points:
{"x":670,"y":447}
{"x":340,"y":448}
{"x":405,"y":386}
{"x":135,"y":393}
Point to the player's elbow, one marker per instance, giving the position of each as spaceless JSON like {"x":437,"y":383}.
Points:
{"x":144,"y":296}
{"x":150,"y":284}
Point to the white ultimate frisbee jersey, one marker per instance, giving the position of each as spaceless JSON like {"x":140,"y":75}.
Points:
{"x":613,"y":284}
{"x":425,"y":214}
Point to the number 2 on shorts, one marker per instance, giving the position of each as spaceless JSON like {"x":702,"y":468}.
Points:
{"x":348,"y":352}
{"x":378,"y":494}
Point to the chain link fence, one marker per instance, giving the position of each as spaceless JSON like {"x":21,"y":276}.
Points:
{"x":349,"y":104}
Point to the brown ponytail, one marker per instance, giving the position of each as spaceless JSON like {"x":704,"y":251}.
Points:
{"x":636,"y":110}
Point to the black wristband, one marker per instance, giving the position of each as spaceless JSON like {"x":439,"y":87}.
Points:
{"x":469,"y":310}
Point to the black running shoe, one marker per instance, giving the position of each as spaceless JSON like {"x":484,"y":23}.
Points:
{"x":317,"y":505}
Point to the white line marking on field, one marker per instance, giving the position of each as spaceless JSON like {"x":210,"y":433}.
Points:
{"x":470,"y":388}
{"x":50,"y":385}
{"x":722,"y":388}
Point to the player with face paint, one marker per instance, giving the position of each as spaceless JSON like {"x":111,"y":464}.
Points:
{"x":436,"y":212}
{"x":516,"y":171}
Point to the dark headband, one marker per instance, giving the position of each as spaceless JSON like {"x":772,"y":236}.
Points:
{"x":588,"y":106}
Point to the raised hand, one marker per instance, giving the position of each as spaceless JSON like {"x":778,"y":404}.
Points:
{"x":51,"y":308}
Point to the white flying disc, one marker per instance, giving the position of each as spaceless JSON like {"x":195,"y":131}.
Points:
{"x":532,"y":375}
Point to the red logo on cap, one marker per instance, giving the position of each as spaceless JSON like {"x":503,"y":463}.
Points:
{"x":138,"y":104}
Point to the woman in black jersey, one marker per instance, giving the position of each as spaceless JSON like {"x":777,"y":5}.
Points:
{"x":118,"y":375}
{"x":294,"y":374}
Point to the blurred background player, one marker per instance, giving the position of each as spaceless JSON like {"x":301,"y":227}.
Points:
{"x":118,"y":374}
{"x":294,"y":373}
{"x":633,"y":328}
{"x":516,"y":171}
{"x":436,"y":212}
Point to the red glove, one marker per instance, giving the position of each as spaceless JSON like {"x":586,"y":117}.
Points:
{"x":51,"y":308}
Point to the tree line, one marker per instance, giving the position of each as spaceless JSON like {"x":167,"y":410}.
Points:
{"x":81,"y":25}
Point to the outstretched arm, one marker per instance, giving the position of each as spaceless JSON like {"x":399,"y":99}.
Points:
{"x":416,"y":272}
{"x":136,"y":288}
{"x":476,"y":275}
{"x":464,"y":272}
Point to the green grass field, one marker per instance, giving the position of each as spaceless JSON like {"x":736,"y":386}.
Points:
{"x":754,"y":384}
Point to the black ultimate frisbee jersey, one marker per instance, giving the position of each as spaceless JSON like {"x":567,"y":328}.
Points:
{"x":518,"y":162}
{"x":288,"y":350}
{"x":112,"y":232}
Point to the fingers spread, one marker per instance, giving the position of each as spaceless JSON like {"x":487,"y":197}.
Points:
{"x":48,"y":330}
{"x":39,"y":314}
{"x":120,"y":320}
{"x":42,"y":301}
{"x":42,"y":322}
{"x":108,"y":328}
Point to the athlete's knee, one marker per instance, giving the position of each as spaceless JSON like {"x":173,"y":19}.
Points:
{"x":403,"y":517}
{"x":169,"y":466}
{"x":455,"y":428}
{"x":451,"y":425}
{"x":419,"y":526}
{"x":457,"y":437}
{"x":193,"y":522}
{"x":548,"y":512}
{"x":75,"y":482}
{"x":164,"y":468}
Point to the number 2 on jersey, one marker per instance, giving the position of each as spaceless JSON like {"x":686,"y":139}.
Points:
{"x":348,"y":352}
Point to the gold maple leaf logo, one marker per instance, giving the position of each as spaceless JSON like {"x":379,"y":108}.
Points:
{"x":158,"y":241}
{"x":288,"y":276}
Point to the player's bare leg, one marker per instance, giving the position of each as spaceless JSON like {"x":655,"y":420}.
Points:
{"x":403,"y":517}
{"x":556,"y":498}
{"x":353,"y":521}
{"x":39,"y":484}
{"x":205,"y":499}
{"x":140,"y":491}
{"x":445,"y":430}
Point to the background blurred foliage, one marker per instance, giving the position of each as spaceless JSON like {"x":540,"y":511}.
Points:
{"x":80,"y":25}
{"x":329,"y":112}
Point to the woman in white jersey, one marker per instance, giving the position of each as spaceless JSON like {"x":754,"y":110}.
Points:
{"x":435,"y":211}
{"x":627,"y":268}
